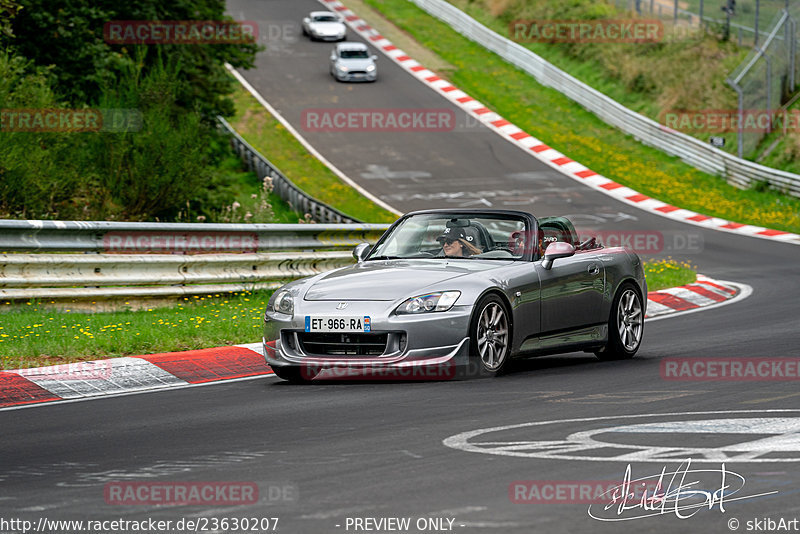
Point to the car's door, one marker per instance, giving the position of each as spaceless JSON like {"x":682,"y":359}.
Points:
{"x":571,"y":292}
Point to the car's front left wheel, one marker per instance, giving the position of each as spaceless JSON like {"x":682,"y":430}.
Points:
{"x":490,"y":336}
{"x":625,"y":325}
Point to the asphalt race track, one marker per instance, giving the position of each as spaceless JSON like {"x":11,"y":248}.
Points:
{"x":324,"y":453}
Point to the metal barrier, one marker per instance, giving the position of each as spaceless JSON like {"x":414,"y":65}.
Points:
{"x":701,"y":155}
{"x":298,"y":199}
{"x":165,"y":259}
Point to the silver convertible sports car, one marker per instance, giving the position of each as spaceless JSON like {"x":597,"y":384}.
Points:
{"x":459,"y":289}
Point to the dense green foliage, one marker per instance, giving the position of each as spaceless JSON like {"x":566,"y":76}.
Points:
{"x":68,"y":35}
{"x":167,"y":161}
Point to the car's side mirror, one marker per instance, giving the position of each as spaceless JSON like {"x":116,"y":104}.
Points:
{"x":361,"y":251}
{"x":556,"y":250}
{"x":306,"y":20}
{"x":374,"y":58}
{"x":333,"y":57}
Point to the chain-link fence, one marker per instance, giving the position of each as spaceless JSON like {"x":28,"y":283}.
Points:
{"x":769,"y":75}
{"x":747,"y":21}
{"x":764,"y":82}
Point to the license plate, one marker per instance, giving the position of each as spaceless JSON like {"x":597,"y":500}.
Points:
{"x":356,"y":323}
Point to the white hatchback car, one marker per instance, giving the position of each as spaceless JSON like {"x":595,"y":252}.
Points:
{"x":351,"y":62}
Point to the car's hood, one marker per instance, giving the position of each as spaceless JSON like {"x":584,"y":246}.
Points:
{"x":392,"y":279}
{"x":326,"y":28}
{"x":356,"y":63}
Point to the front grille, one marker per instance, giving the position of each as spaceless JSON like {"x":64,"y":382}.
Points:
{"x":336,"y":344}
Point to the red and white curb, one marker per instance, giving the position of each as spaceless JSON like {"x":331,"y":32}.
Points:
{"x":703,"y":294}
{"x":127,"y":375}
{"x":541,"y":151}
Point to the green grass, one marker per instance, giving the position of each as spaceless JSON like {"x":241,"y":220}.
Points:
{"x":268,"y":136}
{"x":567,"y":127}
{"x":662,"y":274}
{"x":33,"y":336}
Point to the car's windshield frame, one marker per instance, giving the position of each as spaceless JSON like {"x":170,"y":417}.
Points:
{"x":387,"y":248}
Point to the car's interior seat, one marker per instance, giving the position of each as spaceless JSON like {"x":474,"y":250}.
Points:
{"x":480,"y":236}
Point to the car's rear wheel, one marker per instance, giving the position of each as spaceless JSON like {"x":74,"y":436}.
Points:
{"x":490,"y":336}
{"x":625,"y":325}
{"x":294,"y":374}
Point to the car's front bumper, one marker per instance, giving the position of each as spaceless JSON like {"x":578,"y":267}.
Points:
{"x":437,"y":341}
{"x":327,"y":37}
{"x":356,"y":77}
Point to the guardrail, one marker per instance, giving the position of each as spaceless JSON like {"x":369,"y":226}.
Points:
{"x":736,"y":171}
{"x":128,"y":260}
{"x":298,"y":199}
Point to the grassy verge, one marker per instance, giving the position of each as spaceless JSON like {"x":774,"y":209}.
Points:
{"x":668,"y":273}
{"x":33,"y":336}
{"x":269,"y":137}
{"x":562,"y":124}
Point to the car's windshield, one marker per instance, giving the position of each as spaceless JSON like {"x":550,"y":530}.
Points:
{"x":455,"y":235}
{"x":354,"y":54}
{"x":326,"y":18}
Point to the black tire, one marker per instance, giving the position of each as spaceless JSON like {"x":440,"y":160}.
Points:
{"x":490,"y":337}
{"x":625,"y":324}
{"x":294,"y":374}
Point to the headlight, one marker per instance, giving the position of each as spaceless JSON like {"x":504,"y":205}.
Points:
{"x":341,"y":68}
{"x":432,"y":302}
{"x":370,"y":68}
{"x":283,"y":303}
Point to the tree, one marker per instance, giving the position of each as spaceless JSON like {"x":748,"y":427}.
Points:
{"x":8,"y":10}
{"x":68,"y":34}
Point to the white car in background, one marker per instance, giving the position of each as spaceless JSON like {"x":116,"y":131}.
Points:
{"x":324,"y":26}
{"x":351,"y":62}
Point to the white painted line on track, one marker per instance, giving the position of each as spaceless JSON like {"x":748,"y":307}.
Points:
{"x":140,"y":392}
{"x":308,"y":146}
